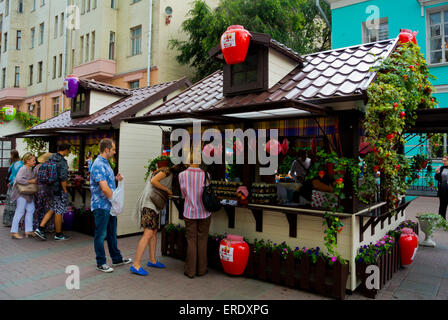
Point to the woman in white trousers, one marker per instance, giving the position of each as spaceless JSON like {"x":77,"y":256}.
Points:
{"x":25,"y":202}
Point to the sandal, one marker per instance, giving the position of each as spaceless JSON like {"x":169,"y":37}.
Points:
{"x":16,"y":236}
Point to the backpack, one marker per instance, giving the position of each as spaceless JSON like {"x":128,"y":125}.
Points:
{"x":47,"y":173}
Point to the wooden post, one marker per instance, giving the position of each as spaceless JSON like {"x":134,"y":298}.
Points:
{"x":349,"y":136}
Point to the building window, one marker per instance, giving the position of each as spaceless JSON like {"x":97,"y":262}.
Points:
{"x":5,"y":153}
{"x":3,"y":78}
{"x":31,"y":75}
{"x":19,"y":40}
{"x":80,"y":104}
{"x":82,"y":49}
{"x":60,"y":66}
{"x":61,"y":28}
{"x":56,"y":24}
{"x":95,"y":4}
{"x":40,"y":71}
{"x":33,"y":36}
{"x":376,"y":31}
{"x":30,"y":108}
{"x":92,"y":56}
{"x":250,"y":75}
{"x":38,"y":109}
{"x":113,"y":4}
{"x":7,"y":8}
{"x":34,"y":5}
{"x":438,"y":33}
{"x":41,"y":33}
{"x":87,"y":47}
{"x":134,"y":84}
{"x":5,"y":48}
{"x":17,"y":77}
{"x":54,"y":67}
{"x":20,"y":6}
{"x":56,"y":106}
{"x":136,"y":40}
{"x":112,"y":46}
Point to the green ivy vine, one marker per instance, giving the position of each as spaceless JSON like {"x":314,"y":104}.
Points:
{"x":402,"y":87}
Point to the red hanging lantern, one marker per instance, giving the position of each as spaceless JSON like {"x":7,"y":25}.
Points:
{"x":407,"y":35}
{"x":235,"y":44}
{"x":273,"y":147}
{"x":285,"y":146}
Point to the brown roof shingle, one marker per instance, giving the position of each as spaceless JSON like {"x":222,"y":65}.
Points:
{"x":324,"y":76}
{"x":127,"y":106}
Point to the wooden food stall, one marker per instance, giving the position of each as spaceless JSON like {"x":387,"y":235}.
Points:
{"x":96,"y":113}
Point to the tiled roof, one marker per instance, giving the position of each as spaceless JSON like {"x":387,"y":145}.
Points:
{"x":104,"y":87}
{"x":324,"y":76}
{"x":127,"y":106}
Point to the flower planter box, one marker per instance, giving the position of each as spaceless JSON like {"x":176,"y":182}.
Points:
{"x":271,"y":267}
{"x":388,"y":265}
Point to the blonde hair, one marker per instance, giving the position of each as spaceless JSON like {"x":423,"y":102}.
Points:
{"x":27,"y":156}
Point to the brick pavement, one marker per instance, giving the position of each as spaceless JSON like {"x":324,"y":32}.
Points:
{"x":33,"y":269}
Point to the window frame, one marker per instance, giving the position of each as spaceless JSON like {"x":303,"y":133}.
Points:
{"x":262,"y":73}
{"x":366,"y":35}
{"x":428,"y":12}
{"x":85,"y":108}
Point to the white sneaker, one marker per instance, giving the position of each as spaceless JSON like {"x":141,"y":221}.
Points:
{"x":105,"y":268}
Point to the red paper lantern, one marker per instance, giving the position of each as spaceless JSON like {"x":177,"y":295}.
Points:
{"x":234,"y":254}
{"x":407,"y":35}
{"x":273,"y":147}
{"x":235,"y":44}
{"x":285,"y":146}
{"x":238,"y":147}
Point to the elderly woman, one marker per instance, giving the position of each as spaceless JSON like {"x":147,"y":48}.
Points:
{"x":10,"y":207}
{"x":25,"y":202}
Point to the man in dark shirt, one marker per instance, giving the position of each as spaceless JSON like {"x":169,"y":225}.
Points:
{"x":58,"y":196}
{"x":442,"y":177}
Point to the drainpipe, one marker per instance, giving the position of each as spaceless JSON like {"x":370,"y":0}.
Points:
{"x":64,"y":73}
{"x":322,"y":13}
{"x":148,"y":81}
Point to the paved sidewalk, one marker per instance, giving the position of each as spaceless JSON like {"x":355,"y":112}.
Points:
{"x":33,"y":269}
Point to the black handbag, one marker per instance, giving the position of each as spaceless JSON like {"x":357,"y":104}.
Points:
{"x":209,"y":199}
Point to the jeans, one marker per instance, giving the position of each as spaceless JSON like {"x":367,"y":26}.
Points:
{"x":23,"y":206}
{"x":105,"y":229}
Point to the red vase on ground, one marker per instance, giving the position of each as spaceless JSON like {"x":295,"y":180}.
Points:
{"x":234,"y":254}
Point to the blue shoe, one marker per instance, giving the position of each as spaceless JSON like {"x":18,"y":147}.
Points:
{"x":158,"y":264}
{"x":140,"y":272}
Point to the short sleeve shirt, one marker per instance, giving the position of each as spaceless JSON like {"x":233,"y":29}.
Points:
{"x":101,"y":171}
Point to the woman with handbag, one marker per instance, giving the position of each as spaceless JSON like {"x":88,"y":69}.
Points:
{"x":197,"y":219}
{"x":10,"y":206}
{"x":151,"y":201}
{"x":24,"y":188}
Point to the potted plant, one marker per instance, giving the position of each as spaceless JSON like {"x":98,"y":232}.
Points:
{"x":428,"y":222}
{"x":158,"y":162}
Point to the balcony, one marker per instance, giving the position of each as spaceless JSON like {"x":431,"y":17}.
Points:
{"x":101,"y":69}
{"x":12,"y":95}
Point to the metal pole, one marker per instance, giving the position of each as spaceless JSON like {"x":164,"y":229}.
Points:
{"x":148,"y":81}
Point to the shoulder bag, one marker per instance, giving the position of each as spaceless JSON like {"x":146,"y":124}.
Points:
{"x":158,"y":197}
{"x":27,"y":188}
{"x":209,"y":199}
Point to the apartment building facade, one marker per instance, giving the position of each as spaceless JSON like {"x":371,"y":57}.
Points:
{"x":111,"y":41}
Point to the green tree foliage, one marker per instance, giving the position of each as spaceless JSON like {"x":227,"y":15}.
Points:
{"x":295,"y":23}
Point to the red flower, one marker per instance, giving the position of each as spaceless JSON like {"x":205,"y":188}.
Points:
{"x":395,"y":105}
{"x":405,"y":77}
{"x":390,"y":136}
{"x":402,"y":114}
{"x":376,"y":168}
{"x":398,"y":167}
{"x":321,"y":174}
{"x":339,"y":181}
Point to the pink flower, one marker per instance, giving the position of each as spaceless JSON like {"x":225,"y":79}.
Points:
{"x":334,"y":259}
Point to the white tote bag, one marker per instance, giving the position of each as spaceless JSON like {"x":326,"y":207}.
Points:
{"x":118,"y":199}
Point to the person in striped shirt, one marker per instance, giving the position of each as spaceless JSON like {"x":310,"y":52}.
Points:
{"x":197,"y":220}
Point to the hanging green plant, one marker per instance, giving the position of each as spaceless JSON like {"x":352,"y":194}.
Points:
{"x":402,"y":87}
